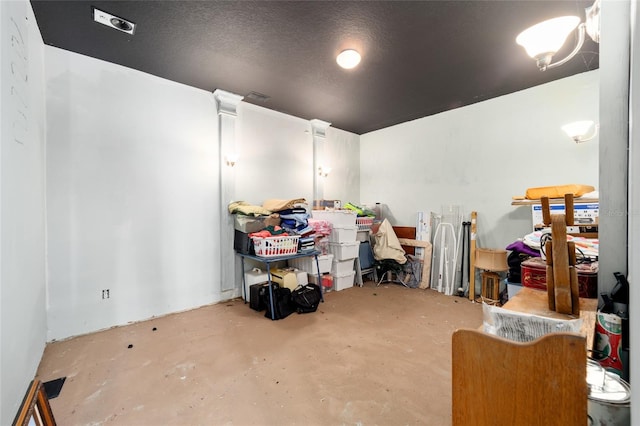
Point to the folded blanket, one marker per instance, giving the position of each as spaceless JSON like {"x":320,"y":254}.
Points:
{"x":247,"y":209}
{"x":276,"y":205}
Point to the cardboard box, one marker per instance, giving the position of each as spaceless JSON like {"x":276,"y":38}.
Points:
{"x":251,"y":224}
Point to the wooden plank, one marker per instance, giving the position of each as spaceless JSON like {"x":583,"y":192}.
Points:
{"x":472,"y":256}
{"x":546,"y":212}
{"x":568,"y":209}
{"x":560,"y":254}
{"x":548,"y":249}
{"x":553,"y":201}
{"x":426,"y":262}
{"x":408,"y":232}
{"x":545,"y":380}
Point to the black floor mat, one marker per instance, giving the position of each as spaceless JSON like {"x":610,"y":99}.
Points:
{"x":53,"y":387}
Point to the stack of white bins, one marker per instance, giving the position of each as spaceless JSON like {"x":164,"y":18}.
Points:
{"x":343,"y":245}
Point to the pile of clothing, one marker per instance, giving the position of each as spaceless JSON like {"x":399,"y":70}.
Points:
{"x":321,"y":231}
{"x":294,"y":219}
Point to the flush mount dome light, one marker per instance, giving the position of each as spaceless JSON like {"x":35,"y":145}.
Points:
{"x":121,"y":24}
{"x":348,"y":59}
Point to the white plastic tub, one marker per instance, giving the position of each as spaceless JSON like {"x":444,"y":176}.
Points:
{"x":344,"y":251}
{"x":336,"y":217}
{"x":341,"y":267}
{"x":308,"y":264}
{"x":341,"y":282}
{"x":343,"y":234}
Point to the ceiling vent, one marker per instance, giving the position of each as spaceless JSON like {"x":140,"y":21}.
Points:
{"x":113,"y":21}
{"x":257,"y":97}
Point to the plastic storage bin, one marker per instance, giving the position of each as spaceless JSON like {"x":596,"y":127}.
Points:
{"x":344,"y":251}
{"x":326,"y":283}
{"x":343,"y":234}
{"x":341,"y":282}
{"x":276,"y":246}
{"x":336,"y":217}
{"x":364,"y":223}
{"x":341,"y":267}
{"x":308,"y":264}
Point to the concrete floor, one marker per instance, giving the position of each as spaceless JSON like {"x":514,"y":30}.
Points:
{"x":369,"y":356}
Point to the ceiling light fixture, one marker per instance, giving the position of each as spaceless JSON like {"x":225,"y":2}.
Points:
{"x":578,"y":130}
{"x":348,"y":59}
{"x":545,"y":39}
{"x":120,"y":24}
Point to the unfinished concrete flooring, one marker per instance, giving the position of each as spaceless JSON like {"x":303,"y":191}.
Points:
{"x":368,"y":356}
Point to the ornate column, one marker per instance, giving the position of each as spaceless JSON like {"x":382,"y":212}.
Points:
{"x":318,"y":132}
{"x":226,"y":104}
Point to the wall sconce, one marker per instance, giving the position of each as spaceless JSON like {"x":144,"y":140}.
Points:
{"x":324,"y":171}
{"x":578,"y":130}
{"x":231,"y":159}
{"x":543,"y":40}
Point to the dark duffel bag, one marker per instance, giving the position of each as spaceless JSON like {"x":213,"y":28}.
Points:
{"x":282,"y":304}
{"x":306,"y":298}
{"x":258,"y":294}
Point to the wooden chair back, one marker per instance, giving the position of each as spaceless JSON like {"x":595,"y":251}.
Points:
{"x":498,"y":382}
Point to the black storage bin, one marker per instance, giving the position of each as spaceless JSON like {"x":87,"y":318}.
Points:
{"x":242,"y":243}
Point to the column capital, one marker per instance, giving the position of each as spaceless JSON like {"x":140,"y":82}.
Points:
{"x":227,"y":102}
{"x":319,"y":127}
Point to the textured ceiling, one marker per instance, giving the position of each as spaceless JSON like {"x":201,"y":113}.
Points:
{"x":418,"y":58}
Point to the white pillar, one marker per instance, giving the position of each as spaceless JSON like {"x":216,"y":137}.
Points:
{"x":318,"y":132}
{"x":227,"y":104}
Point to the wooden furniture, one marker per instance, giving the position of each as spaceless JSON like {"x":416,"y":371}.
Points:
{"x":472,"y":255}
{"x":562,"y":275}
{"x":525,"y":202}
{"x":35,"y":408}
{"x":532,"y":301}
{"x":498,"y":382}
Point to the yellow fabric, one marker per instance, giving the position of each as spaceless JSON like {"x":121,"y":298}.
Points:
{"x":558,"y":191}
{"x":276,"y":205}
{"x":248,"y":209}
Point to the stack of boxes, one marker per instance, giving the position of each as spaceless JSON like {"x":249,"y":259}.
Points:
{"x":343,"y":245}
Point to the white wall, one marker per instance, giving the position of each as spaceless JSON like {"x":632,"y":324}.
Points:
{"x":276,"y":156}
{"x":342,"y":149}
{"x":132,"y":195}
{"x":481,"y":155}
{"x":22,"y":205}
{"x":634,"y":204}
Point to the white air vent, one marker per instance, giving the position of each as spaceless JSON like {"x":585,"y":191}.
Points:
{"x":257,"y":97}
{"x":112,"y":21}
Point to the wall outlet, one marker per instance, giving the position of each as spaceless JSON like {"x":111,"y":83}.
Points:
{"x":105,"y":293}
